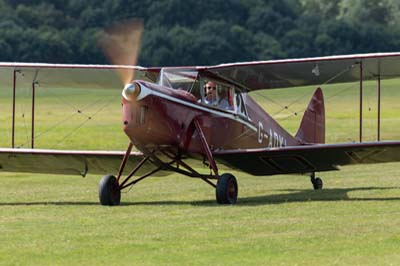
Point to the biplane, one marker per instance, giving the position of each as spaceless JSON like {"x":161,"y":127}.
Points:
{"x":175,"y":118}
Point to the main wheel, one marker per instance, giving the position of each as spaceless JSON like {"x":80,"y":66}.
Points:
{"x":317,"y":184}
{"x":109,"y":192}
{"x":227,"y":189}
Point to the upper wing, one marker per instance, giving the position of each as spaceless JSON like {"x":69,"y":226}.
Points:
{"x":69,"y":162}
{"x":308,"y":159}
{"x":69,"y":76}
{"x":307,"y":71}
{"x":251,"y":75}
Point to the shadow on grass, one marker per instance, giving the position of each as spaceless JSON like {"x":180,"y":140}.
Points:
{"x":56,"y":203}
{"x":287,"y":196}
{"x":309,"y":195}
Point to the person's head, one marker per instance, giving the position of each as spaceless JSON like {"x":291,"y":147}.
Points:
{"x":211,"y":90}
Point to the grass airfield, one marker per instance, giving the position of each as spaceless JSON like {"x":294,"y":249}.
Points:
{"x":174,"y":220}
{"x":279,"y":220}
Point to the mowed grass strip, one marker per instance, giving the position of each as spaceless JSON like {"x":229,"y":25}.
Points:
{"x":173,"y":220}
{"x":47,"y":220}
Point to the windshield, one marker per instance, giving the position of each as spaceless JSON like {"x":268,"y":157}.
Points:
{"x":182,"y":79}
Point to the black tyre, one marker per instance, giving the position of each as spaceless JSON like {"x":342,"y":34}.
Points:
{"x":227,"y":189}
{"x":109,"y":192}
{"x":317,"y":184}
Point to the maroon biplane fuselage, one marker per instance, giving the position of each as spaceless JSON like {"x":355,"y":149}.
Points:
{"x":174,"y":119}
{"x":167,"y":120}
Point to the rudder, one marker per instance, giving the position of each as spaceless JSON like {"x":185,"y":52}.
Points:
{"x":312,"y":126}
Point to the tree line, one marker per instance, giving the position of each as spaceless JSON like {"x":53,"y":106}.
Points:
{"x":196,"y":32}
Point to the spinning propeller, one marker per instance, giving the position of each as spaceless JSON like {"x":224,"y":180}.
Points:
{"x":121,"y":44}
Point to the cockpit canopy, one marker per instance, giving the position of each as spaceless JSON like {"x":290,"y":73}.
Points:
{"x":226,"y":97}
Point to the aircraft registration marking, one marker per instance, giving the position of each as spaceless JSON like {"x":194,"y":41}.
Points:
{"x":274,"y":139}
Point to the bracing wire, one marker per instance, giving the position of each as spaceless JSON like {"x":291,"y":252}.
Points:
{"x":73,"y":107}
{"x":77,"y":111}
{"x":286,"y":107}
{"x":327,"y":99}
{"x":88,"y":118}
{"x":270,"y":99}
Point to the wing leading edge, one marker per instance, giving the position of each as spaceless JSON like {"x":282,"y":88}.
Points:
{"x":310,"y":158}
{"x":69,"y":75}
{"x":307,"y":71}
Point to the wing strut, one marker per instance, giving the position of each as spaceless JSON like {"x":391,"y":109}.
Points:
{"x":361,"y":98}
{"x":206,"y":148}
{"x":33,"y":115}
{"x":126,"y":156}
{"x":379,"y":107}
{"x":13,"y":110}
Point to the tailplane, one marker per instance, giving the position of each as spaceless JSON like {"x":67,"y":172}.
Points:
{"x":312,"y":127}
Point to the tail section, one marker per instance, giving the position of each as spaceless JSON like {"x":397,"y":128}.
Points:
{"x":312,"y":127}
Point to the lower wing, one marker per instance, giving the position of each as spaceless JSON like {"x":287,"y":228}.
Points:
{"x":68,"y":162}
{"x":309,"y":158}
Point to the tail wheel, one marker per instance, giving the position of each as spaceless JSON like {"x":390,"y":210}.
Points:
{"x":317,"y":184}
{"x":227,"y":189}
{"x":109,"y":191}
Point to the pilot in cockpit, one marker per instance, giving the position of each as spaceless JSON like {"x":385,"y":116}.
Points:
{"x":211,"y":93}
{"x":212,"y":97}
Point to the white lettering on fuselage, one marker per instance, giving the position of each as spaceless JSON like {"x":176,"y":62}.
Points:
{"x":274,"y":139}
{"x":260,"y":132}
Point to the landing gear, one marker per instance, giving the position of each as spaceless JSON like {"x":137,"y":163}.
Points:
{"x":109,"y":191}
{"x":169,"y":159}
{"x":316,"y":181}
{"x":227,"y":189}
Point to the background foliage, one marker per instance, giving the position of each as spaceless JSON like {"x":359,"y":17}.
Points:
{"x":195,"y":32}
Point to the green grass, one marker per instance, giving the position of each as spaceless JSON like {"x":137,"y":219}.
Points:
{"x":279,"y":220}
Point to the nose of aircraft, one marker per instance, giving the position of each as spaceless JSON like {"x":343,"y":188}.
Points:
{"x":127,"y":112}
